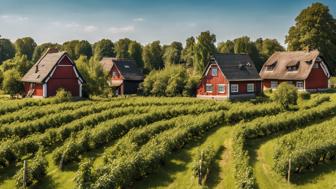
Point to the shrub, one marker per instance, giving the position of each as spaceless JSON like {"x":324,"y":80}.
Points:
{"x":11,"y":83}
{"x":202,"y":163}
{"x":304,"y":95}
{"x":286,"y":95}
{"x":84,"y":175}
{"x":63,"y":95}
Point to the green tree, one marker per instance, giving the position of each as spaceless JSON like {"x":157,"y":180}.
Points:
{"x":205,"y":47}
{"x":40,"y":49}
{"x":103,"y":48}
{"x":245,"y":45}
{"x":83,"y":48}
{"x":267,"y":47}
{"x":315,"y":28}
{"x":226,"y":47}
{"x":135,"y":52}
{"x":20,"y":63}
{"x":7,"y":50}
{"x":70,"y":48}
{"x":25,"y":46}
{"x":152,"y":56}
{"x":188,"y":53}
{"x":11,"y":82}
{"x":172,"y":54}
{"x":286,"y":95}
{"x":121,"y":48}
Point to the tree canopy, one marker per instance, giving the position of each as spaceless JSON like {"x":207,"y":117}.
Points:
{"x":25,"y":46}
{"x":103,"y":48}
{"x":7,"y":50}
{"x":205,"y":47}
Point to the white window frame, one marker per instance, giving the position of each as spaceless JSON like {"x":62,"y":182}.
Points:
{"x":247,"y":87}
{"x":114,"y":73}
{"x":299,"y":85}
{"x":206,"y":88}
{"x":212,"y":71}
{"x":221,"y":85}
{"x":274,"y":84}
{"x":234,"y":88}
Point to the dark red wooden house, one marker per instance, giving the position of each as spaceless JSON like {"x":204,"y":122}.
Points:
{"x":125,"y":76}
{"x":306,"y":70}
{"x":52,"y":71}
{"x":230,"y":76}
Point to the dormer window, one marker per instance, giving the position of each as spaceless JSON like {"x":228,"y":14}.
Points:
{"x":126,"y":66}
{"x":214,"y":71}
{"x":293,"y":67}
{"x":271,"y":66}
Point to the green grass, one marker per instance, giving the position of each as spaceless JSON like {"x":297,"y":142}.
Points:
{"x":177,"y":171}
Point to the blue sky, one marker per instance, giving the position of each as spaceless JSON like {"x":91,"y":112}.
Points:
{"x":148,"y":20}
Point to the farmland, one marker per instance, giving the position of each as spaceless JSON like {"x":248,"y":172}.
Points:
{"x":152,"y":142}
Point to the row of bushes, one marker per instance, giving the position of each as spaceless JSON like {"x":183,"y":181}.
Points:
{"x":113,"y":129}
{"x":265,"y":126}
{"x":305,"y":148}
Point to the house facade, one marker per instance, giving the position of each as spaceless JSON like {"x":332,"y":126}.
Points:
{"x":305,"y":70}
{"x":54,"y":70}
{"x":230,"y":76}
{"x":125,"y":76}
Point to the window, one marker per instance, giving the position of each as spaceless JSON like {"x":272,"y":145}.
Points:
{"x":208,"y":88}
{"x":126,"y":66}
{"x":214,"y":71}
{"x":250,"y":87}
{"x":274,"y":84}
{"x":292,"y":68}
{"x":114,"y":74}
{"x":221,"y":88}
{"x":299,"y":84}
{"x":316,"y":65}
{"x":234,"y":88}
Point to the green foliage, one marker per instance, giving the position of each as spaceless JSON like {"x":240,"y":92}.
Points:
{"x":103,"y":48}
{"x":203,"y":161}
{"x":172,"y":54}
{"x":12,"y":84}
{"x":7,"y":50}
{"x":84,"y":175}
{"x":285,"y":94}
{"x":303,"y":95}
{"x":76,"y":48}
{"x":63,"y":95}
{"x":171,"y":81}
{"x":95,"y":77}
{"x":25,"y":46}
{"x":314,"y":28}
{"x":152,"y":56}
{"x":20,"y":63}
{"x":204,"y":48}
{"x":135,"y":52}
{"x":36,"y":170}
{"x":226,"y":47}
{"x":40,"y":49}
{"x":121,"y":48}
{"x":188,"y":53}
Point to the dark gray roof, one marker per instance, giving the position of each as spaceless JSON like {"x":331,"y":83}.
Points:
{"x":127,"y":67}
{"x":236,"y":66}
{"x":44,"y":66}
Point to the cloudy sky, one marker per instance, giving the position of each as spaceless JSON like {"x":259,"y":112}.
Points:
{"x":148,"y":20}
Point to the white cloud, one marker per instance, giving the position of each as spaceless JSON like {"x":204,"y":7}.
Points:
{"x":72,"y":25}
{"x":13,"y":18}
{"x":139,"y":19}
{"x":119,"y":30}
{"x":90,"y":28}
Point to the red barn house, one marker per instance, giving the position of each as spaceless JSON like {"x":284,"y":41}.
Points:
{"x":124,"y":73}
{"x":230,"y":76}
{"x":52,"y":71}
{"x":306,"y":70}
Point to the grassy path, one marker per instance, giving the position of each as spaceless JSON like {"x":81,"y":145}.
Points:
{"x":177,"y":170}
{"x":323,"y":177}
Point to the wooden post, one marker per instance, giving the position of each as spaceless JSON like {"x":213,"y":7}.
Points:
{"x":61,"y":162}
{"x":289,"y":170}
{"x":200,"y":170}
{"x":25,"y":171}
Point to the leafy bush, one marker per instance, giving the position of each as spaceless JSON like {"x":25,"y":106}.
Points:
{"x":62,"y":95}
{"x":84,"y":175}
{"x":202,"y":163}
{"x":304,"y":95}
{"x":11,"y":83}
{"x":286,"y":94}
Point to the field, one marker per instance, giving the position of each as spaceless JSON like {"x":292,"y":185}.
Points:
{"x":152,"y":142}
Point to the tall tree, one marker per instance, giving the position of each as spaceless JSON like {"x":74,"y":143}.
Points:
{"x":267,"y":47}
{"x":204,"y":48}
{"x":121,"y":48}
{"x":103,"y":48}
{"x":40,"y":49}
{"x":25,"y":46}
{"x":245,"y":45}
{"x":70,"y":48}
{"x":226,"y":47}
{"x":83,"y":48}
{"x":188,"y":53}
{"x":152,"y":56}
{"x":315,"y":28}
{"x":135,"y":52}
{"x":172,"y":54}
{"x":7,"y":50}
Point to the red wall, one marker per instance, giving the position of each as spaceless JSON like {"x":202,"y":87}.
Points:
{"x":118,"y":75}
{"x":317,"y":79}
{"x":63,"y":77}
{"x":38,"y":89}
{"x":214,"y":80}
{"x":243,"y":87}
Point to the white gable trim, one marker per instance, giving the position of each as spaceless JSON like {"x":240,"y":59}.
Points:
{"x":325,"y":69}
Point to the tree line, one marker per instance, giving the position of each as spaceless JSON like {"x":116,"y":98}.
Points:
{"x":315,"y":28}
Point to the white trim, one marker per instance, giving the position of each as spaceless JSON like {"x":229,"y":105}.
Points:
{"x":229,"y":90}
{"x":235,"y":85}
{"x":325,"y":69}
{"x":206,"y":90}
{"x":302,"y":84}
{"x":253,"y":87}
{"x":64,"y":65}
{"x":80,"y":90}
{"x":45,"y":90}
{"x":75,"y":70}
{"x":223,"y":88}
